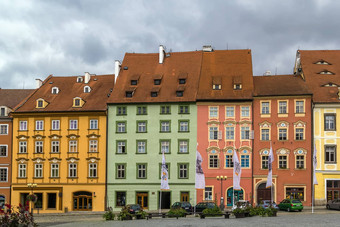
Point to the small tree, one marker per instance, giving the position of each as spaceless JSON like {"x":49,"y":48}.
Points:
{"x":21,"y":217}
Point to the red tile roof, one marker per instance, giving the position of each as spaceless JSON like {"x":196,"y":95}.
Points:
{"x":280,"y":85}
{"x":101,"y":87}
{"x":12,"y":97}
{"x":227,"y":67}
{"x":145,"y":68}
{"x":315,"y":80}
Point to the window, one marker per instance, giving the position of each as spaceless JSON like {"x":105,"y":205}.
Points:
{"x":330,"y":122}
{"x":299,"y":134}
{"x":121,"y":127}
{"x":73,"y":124}
{"x":55,"y":90}
{"x":213,"y":111}
{"x":134,"y":82}
{"x":230,"y":111}
{"x":3,"y":150}
{"x":76,"y":102}
{"x":208,"y":193}
{"x":40,"y":103}
{"x":51,"y":200}
{"x":3,"y":129}
{"x":165,"y":109}
{"x":213,"y":161}
{"x":2,"y":111}
{"x":93,"y":170}
{"x":120,"y":199}
{"x":55,"y":147}
{"x":184,"y":126}
{"x":22,"y":147}
{"x":39,"y":125}
{"x":157,"y":81}
{"x":237,"y":86}
{"x":183,"y":109}
{"x":179,"y":93}
{"x":38,"y":170}
{"x":299,"y":107}
{"x":245,"y":133}
{"x":128,"y":94}
{"x":182,"y":81}
{"x":245,"y":111}
{"x":229,"y":161}
{"x":154,"y":94}
{"x":121,"y":110}
{"x":120,"y":171}
{"x":283,"y":107}
{"x":217,"y":86}
{"x":330,"y":154}
{"x":300,"y":161}
{"x":94,"y":124}
{"x":265,"y":134}
{"x":22,"y":171}
{"x":245,"y":161}
{"x":229,"y":133}
{"x":38,"y":146}
{"x":183,"y":146}
{"x":54,"y":170}
{"x":141,"y":110}
{"x":79,"y":79}
{"x":3,"y":175}
{"x":87,"y":89}
{"x":295,"y":193}
{"x":265,"y":108}
{"x":72,"y":146}
{"x":23,"y":125}
{"x":55,"y":125}
{"x":165,"y":126}
{"x":282,"y":161}
{"x":72,"y":170}
{"x":264,"y":161}
{"x":93,"y":146}
{"x":141,"y":126}
{"x":141,"y":147}
{"x":282,"y":134}
{"x":141,"y":171}
{"x":121,"y":147}
{"x":183,"y":171}
{"x":213,"y":133}
{"x":165,"y":146}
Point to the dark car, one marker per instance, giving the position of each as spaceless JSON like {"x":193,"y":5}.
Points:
{"x":203,"y":205}
{"x":185,"y":205}
{"x":290,"y":205}
{"x":333,"y":204}
{"x":133,"y":208}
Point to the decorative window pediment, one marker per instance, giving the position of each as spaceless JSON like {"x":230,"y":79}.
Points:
{"x":72,"y":136}
{"x":38,"y":160}
{"x":22,"y":137}
{"x":300,"y":151}
{"x":38,"y":137}
{"x":228,"y":150}
{"x":264,"y":151}
{"x":55,"y":136}
{"x":92,"y":159}
{"x":93,"y":136}
{"x":22,"y":160}
{"x":54,"y":160}
{"x":282,"y":151}
{"x":282,"y":124}
{"x":213,"y":150}
{"x":72,"y":159}
{"x":265,"y":124}
{"x":300,"y":124}
{"x":41,"y":103}
{"x":245,"y":150}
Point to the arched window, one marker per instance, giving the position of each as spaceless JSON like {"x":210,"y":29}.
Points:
{"x":87,"y":89}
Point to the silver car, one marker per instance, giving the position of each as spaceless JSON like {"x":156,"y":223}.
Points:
{"x":333,"y":204}
{"x":267,"y":203}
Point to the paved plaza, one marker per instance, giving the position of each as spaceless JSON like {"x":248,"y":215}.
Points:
{"x":305,"y":218}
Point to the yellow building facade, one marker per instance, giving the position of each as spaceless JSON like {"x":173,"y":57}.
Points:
{"x":327,"y":141}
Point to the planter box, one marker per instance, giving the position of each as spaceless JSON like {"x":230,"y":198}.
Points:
{"x":239,"y":215}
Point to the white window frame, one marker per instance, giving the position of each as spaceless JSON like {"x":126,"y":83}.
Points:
{"x":54,"y":170}
{"x":184,"y":126}
{"x":22,"y":169}
{"x":230,"y":111}
{"x":72,"y":170}
{"x":229,"y":132}
{"x":22,"y":125}
{"x":72,"y":146}
{"x":244,"y":135}
{"x":38,"y":170}
{"x":93,"y":146}
{"x":141,"y":147}
{"x":55,"y":145}
{"x":6,"y":171}
{"x":3,"y":129}
{"x":245,"y":111}
{"x":22,"y":146}
{"x":213,"y":112}
{"x":39,"y":146}
{"x":73,"y":124}
{"x":93,"y":171}
{"x":141,"y":171}
{"x":213,"y":133}
{"x":55,"y":124}
{"x":120,"y":145}
{"x":93,"y":124}
{"x":183,"y":146}
{"x":165,"y":126}
{"x":6,"y":150}
{"x":121,"y":127}
{"x":39,"y":125}
{"x":165,"y":146}
{"x":141,"y":127}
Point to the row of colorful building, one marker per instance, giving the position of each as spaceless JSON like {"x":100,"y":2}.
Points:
{"x":89,"y":142}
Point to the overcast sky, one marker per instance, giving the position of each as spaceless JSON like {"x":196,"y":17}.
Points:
{"x":66,"y":38}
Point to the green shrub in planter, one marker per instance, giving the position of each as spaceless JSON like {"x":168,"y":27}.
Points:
{"x":177,"y":212}
{"x":124,"y":214}
{"x":211,"y":211}
{"x":141,"y":214}
{"x":109,"y":215}
{"x":271,"y":212}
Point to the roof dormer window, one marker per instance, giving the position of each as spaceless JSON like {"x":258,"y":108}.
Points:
{"x":3,"y":112}
{"x":217,"y":83}
{"x":155,"y":91}
{"x":55,"y":90}
{"x":129,"y":94}
{"x":154,"y":94}
{"x":87,"y":89}
{"x":326,"y":72}
{"x":182,"y":81}
{"x":182,"y":78}
{"x":322,"y":62}
{"x":41,"y":103}
{"x":79,"y":79}
{"x":134,"y":82}
{"x":217,"y":86}
{"x":78,"y":102}
{"x":157,"y":81}
{"x":134,"y":79}
{"x":237,"y":86}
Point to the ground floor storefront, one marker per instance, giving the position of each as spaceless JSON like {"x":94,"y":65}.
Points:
{"x":328,"y":187}
{"x":149,"y":196}
{"x":281,"y":189}
{"x":61,"y":198}
{"x":222,"y":192}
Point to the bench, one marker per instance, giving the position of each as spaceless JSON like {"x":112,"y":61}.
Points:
{"x":226,"y":215}
{"x":163,"y":215}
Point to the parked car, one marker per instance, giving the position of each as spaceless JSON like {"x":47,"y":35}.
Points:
{"x":291,"y":204}
{"x":333,"y":204}
{"x":185,"y":205}
{"x":133,"y":208}
{"x":203,"y":205}
{"x":267,"y":203}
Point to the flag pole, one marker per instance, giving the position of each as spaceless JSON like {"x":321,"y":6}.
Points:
{"x":313,"y":199}
{"x":160,"y":202}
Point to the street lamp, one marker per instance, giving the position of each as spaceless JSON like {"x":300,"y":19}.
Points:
{"x":221,"y":178}
{"x":31,"y":186}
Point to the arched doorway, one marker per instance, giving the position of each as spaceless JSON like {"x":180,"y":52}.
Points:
{"x":2,"y":201}
{"x":238,"y":195}
{"x":263,"y":193}
{"x":82,"y":201}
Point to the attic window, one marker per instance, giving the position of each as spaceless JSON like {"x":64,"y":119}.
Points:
{"x":155,"y":91}
{"x":217,"y":83}
{"x":322,"y":62}
{"x":79,"y":79}
{"x":179,"y":93}
{"x":217,"y":86}
{"x":182,"y":78}
{"x":129,"y":94}
{"x":182,"y":81}
{"x":157,"y":81}
{"x":154,"y":94}
{"x":41,"y":103}
{"x":237,"y":86}
{"x":3,"y":111}
{"x":78,"y":102}
{"x":330,"y":84}
{"x":326,"y":72}
{"x":55,"y":90}
{"x":134,"y":82}
{"x":87,"y":89}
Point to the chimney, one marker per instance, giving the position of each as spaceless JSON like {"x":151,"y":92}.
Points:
{"x":117,"y":68}
{"x":87,"y":77}
{"x":161,"y":54}
{"x":38,"y":83}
